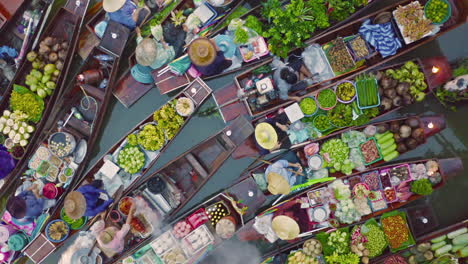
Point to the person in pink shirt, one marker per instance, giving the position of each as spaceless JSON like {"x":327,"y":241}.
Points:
{"x":111,"y":240}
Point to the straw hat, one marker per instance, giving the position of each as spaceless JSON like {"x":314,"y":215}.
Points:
{"x":277,"y":184}
{"x":285,"y":227}
{"x":146,"y":52}
{"x":202,"y":52}
{"x":75,"y":205}
{"x":266,"y":136}
{"x":107,"y":235}
{"x":112,"y":5}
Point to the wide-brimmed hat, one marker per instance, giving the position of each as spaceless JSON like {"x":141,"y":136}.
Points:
{"x":107,"y":235}
{"x":285,"y":227}
{"x":202,"y":52}
{"x":112,"y":5}
{"x":16,"y":206}
{"x":146,"y":52}
{"x":266,"y":136}
{"x":75,"y":205}
{"x":277,"y":184}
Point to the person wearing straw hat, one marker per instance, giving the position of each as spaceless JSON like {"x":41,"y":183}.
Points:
{"x":207,"y":58}
{"x":110,"y":239}
{"x":280,"y":178}
{"x":87,"y":200}
{"x":153,"y":52}
{"x":272,"y":134}
{"x":285,"y":227}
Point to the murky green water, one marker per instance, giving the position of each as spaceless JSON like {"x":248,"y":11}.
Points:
{"x":449,"y":202}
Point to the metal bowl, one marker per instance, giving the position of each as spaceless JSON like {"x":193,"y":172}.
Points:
{"x":56,"y":137}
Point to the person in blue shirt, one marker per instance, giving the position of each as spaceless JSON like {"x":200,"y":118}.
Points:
{"x":88,"y":200}
{"x":27,"y":204}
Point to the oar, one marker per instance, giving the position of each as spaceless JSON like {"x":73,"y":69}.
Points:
{"x":213,"y":109}
{"x":304,"y":185}
{"x":269,"y":163}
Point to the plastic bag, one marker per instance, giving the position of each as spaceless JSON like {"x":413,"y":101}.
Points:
{"x":317,"y":63}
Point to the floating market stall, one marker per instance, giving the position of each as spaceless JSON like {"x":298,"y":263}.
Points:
{"x":129,"y":159}
{"x":337,"y":54}
{"x":353,"y":101}
{"x":245,"y":45}
{"x":20,"y":31}
{"x":63,"y":151}
{"x":36,"y":88}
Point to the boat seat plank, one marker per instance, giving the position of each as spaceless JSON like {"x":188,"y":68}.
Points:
{"x":196,"y":165}
{"x":80,"y":126}
{"x":94,"y":91}
{"x":231,"y":111}
{"x":247,"y":149}
{"x":240,"y":129}
{"x":114,"y":39}
{"x":198,"y":91}
{"x":128,"y":90}
{"x":168,"y":81}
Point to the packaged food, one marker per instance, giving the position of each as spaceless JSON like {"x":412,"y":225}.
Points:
{"x":217,"y":211}
{"x":226,"y":227}
{"x":163,"y":243}
{"x":181,"y":229}
{"x":199,"y":238}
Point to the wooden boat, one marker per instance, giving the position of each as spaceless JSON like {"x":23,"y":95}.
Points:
{"x":21,"y":42}
{"x":250,"y":148}
{"x":168,"y":81}
{"x":437,"y":124}
{"x":91,"y":103}
{"x":312,"y":229}
{"x":71,"y":17}
{"x":182,"y":177}
{"x":459,"y":16}
{"x":197,"y":91}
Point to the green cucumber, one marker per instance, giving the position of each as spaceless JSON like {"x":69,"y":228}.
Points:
{"x":386,"y":144}
{"x":461,"y":239}
{"x":385,"y":138}
{"x":391,"y":156}
{"x":438,"y":239}
{"x":443,"y":250}
{"x":389,"y":149}
{"x":458,"y":247}
{"x":379,"y":136}
{"x":438,"y":245}
{"x":463,"y":252}
{"x":457,"y":232}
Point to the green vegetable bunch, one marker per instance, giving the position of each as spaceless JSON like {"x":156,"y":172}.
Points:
{"x":288,"y":27}
{"x":342,"y":9}
{"x":151,"y":137}
{"x":410,"y":73}
{"x":421,"y":187}
{"x":341,"y":115}
{"x":132,"y":140}
{"x":349,"y":258}
{"x":168,"y":119}
{"x":254,"y":24}
{"x":131,"y":159}
{"x":336,"y":242}
{"x":322,"y":122}
{"x":436,"y":10}
{"x":308,"y":105}
{"x":326,"y":98}
{"x":27,"y":102}
{"x":338,"y":153}
{"x":241,"y":36}
{"x":376,"y":242}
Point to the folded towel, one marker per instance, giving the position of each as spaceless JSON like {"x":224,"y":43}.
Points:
{"x":381,"y":36}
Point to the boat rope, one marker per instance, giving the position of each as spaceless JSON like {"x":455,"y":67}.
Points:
{"x":89,"y":99}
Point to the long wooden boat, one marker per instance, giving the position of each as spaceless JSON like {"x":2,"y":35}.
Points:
{"x":182,"y":177}
{"x":91,"y":102}
{"x":197,"y":92}
{"x":21,"y":42}
{"x":168,"y":81}
{"x":309,"y":228}
{"x":250,"y":148}
{"x":430,"y":126}
{"x":71,"y":17}
{"x":240,"y":200}
{"x":459,"y":16}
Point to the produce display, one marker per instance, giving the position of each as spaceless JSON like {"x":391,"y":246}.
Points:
{"x":131,"y":159}
{"x":308,"y":106}
{"x":371,"y":179}
{"x":409,"y":79}
{"x":337,"y":155}
{"x":338,"y":56}
{"x":326,"y":98}
{"x":345,"y":91}
{"x":61,"y":144}
{"x":375,"y":239}
{"x":23,"y":100}
{"x":299,"y":257}
{"x":421,"y":187}
{"x":321,"y":122}
{"x":437,"y":11}
{"x":359,"y":47}
{"x":370,"y":151}
{"x":412,"y":22}
{"x":168,"y":120}
{"x":334,"y":242}
{"x":341,"y":115}
{"x":151,"y":138}
{"x":57,"y":230}
{"x":125,"y":204}
{"x":185,"y":106}
{"x":396,"y":231}
{"x":14,"y":125}
{"x":368,"y":92}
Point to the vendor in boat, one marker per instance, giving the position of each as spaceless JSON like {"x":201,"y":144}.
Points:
{"x":28,"y":204}
{"x":88,"y":200}
{"x":207,"y":58}
{"x":110,"y":239}
{"x":287,"y":76}
{"x":124,"y":12}
{"x":272,"y":134}
{"x":153,"y":52}
{"x":282,"y":175}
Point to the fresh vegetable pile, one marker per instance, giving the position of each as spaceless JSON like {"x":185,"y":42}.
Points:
{"x":15,"y":127}
{"x":299,"y":257}
{"x":345,"y":91}
{"x":336,"y":152}
{"x":335,"y":242}
{"x":326,"y":98}
{"x":436,"y":10}
{"x":368,"y":92}
{"x":27,"y":102}
{"x":359,"y":47}
{"x":376,"y":243}
{"x":396,"y":230}
{"x":168,"y":120}
{"x":151,"y":138}
{"x":341,"y":115}
{"x":412,"y":21}
{"x":321,"y":122}
{"x":308,"y":106}
{"x":131,"y":159}
{"x":338,"y":56}
{"x":421,"y":187}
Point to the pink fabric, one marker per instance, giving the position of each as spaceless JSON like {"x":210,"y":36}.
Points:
{"x":28,"y":228}
{"x":117,"y":244}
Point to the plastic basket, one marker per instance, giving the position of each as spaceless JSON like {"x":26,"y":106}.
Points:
{"x":348,"y":41}
{"x":385,"y":197}
{"x":378,"y":150}
{"x":447,"y":16}
{"x":366,"y":175}
{"x":357,"y":97}
{"x":410,"y":177}
{"x":343,"y":101}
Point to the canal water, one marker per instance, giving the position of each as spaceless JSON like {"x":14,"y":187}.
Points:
{"x":448,"y":202}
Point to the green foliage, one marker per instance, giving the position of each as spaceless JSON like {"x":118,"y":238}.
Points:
{"x":349,"y":258}
{"x":342,"y":9}
{"x":157,"y":19}
{"x":421,"y":187}
{"x":254,"y":24}
{"x":238,"y":12}
{"x":462,"y":69}
{"x":241,"y":36}
{"x":27,"y":102}
{"x":288,"y":27}
{"x":168,"y":119}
